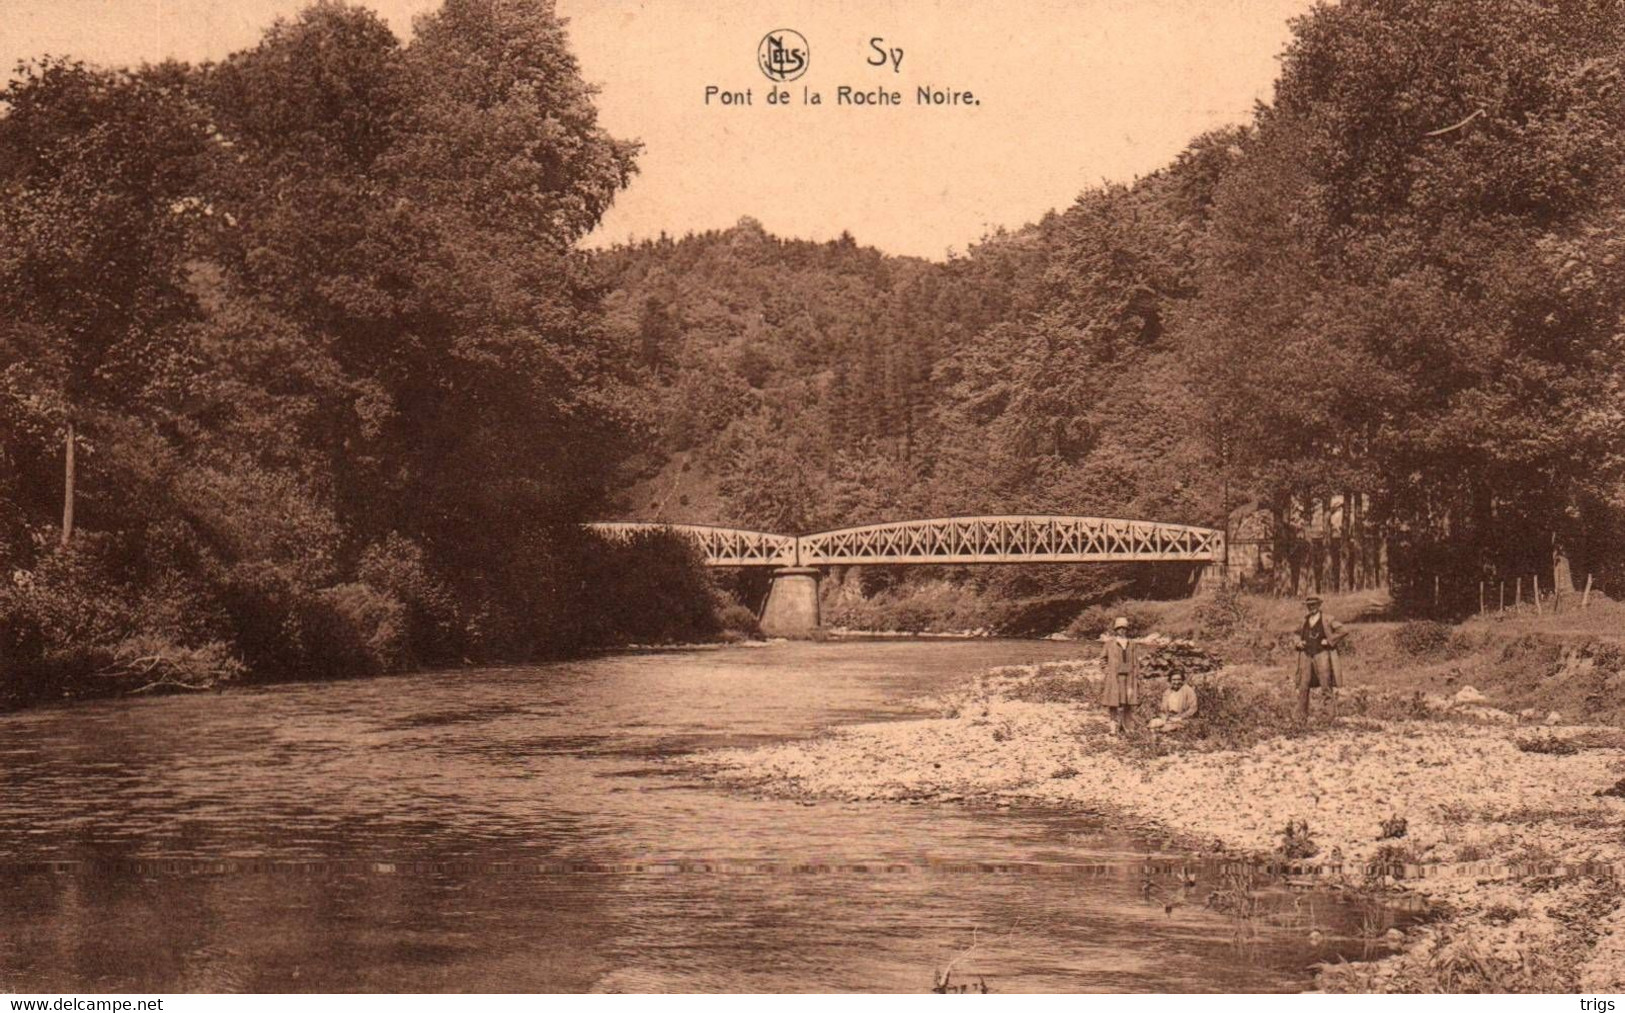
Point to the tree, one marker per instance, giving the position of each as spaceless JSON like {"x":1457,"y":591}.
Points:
{"x":1429,"y":178}
{"x":99,"y":175}
{"x":313,"y":323}
{"x":412,"y":211}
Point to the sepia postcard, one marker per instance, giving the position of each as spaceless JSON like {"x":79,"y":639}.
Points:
{"x":726,"y":496}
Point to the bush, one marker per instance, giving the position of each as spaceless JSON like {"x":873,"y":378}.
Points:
{"x":1026,"y":601}
{"x":737,"y":621}
{"x":432,"y":631}
{"x":1435,"y":577}
{"x":1609,"y":656}
{"x":1097,"y":619}
{"x":68,"y":629}
{"x":919,"y":606}
{"x":1422,"y":638}
{"x":61,"y":621}
{"x":652,"y":588}
{"x":147,"y":663}
{"x":1224,"y":614}
{"x":70,"y":598}
{"x":1297,"y":841}
{"x":1037,"y":617}
{"x":850,"y":613}
{"x":263,"y":604}
{"x":1181,"y":657}
{"x":352,"y":629}
{"x":911,"y":615}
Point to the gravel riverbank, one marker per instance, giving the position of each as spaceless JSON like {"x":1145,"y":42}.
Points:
{"x":1508,"y":843}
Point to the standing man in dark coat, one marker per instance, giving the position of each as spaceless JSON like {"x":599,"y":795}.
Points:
{"x":1318,"y":640}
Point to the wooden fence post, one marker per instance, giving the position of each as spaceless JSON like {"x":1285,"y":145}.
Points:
{"x":1536,"y":579}
{"x":1517,"y":602}
{"x":1585,"y":599}
{"x":1481,"y":597}
{"x":1503,"y":596}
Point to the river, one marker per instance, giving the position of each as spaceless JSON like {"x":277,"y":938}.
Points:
{"x":514,"y":829}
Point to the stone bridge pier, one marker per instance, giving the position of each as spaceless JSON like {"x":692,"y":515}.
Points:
{"x":792,"y":603}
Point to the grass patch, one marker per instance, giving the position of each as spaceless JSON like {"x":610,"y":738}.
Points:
{"x":1422,"y":638}
{"x":1071,"y":682}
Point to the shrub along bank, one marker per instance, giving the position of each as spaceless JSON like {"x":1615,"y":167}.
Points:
{"x":70,"y":628}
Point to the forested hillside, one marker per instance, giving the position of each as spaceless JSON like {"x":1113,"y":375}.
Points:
{"x":1393,"y":299}
{"x":825,"y":384}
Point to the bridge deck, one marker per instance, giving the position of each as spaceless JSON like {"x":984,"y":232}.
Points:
{"x":942,"y":540}
{"x":721,"y":546}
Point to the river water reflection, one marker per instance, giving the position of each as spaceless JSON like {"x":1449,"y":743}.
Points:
{"x":511,"y":830}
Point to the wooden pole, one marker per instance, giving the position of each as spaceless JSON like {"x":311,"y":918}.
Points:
{"x":1481,"y":597}
{"x":1585,"y":599}
{"x":1536,"y":579}
{"x":1435,"y":590}
{"x":1517,"y":602}
{"x":67,"y":490}
{"x":1503,"y":596}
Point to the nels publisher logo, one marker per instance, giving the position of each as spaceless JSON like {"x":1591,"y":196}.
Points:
{"x":783,"y":55}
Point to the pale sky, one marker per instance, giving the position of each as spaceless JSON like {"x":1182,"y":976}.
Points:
{"x":1071,"y":94}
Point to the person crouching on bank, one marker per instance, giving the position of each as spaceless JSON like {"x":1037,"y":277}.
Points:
{"x":1121,"y":689}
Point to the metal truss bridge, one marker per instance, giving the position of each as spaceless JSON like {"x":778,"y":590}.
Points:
{"x":1002,"y":539}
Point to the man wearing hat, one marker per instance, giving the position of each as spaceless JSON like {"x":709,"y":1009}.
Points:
{"x":1318,"y":638}
{"x":1121,"y":689}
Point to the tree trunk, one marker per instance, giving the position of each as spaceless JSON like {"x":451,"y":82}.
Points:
{"x":1280,"y":561}
{"x":1346,"y":548}
{"x":1359,"y":543}
{"x":67,"y":490}
{"x":1384,"y":556}
{"x":1334,"y":575}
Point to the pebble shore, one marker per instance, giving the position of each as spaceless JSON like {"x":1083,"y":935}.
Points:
{"x":1483,"y":817}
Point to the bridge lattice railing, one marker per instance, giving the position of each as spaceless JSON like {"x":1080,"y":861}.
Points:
{"x":721,"y":546}
{"x":1013,"y":539}
{"x":998,"y":539}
